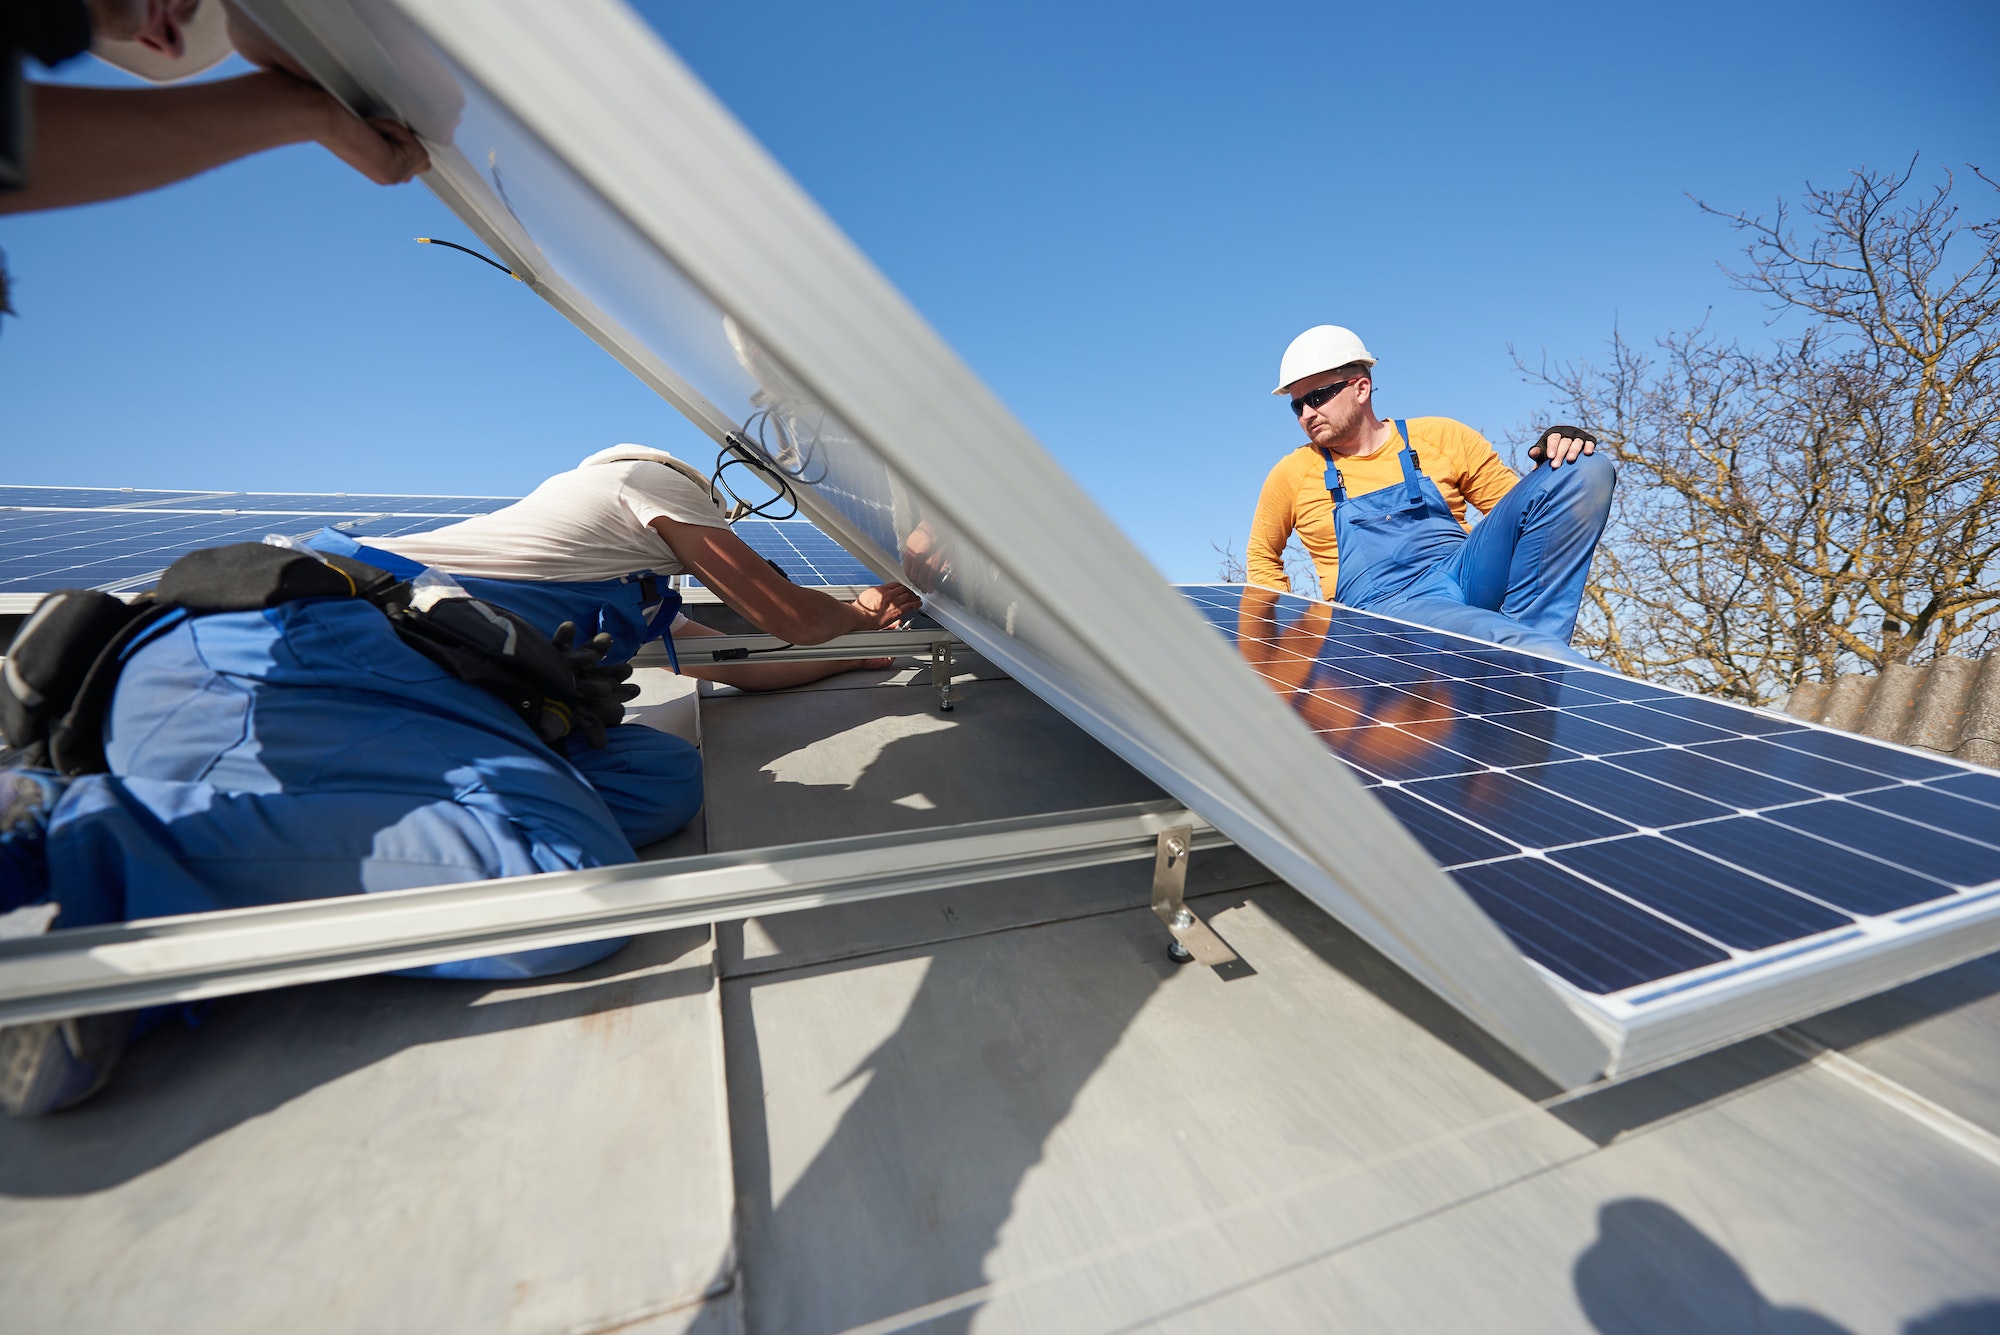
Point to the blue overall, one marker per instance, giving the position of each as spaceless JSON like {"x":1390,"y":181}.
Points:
{"x":306,"y":751}
{"x":612,"y":606}
{"x":1516,"y":579}
{"x":627,"y":772}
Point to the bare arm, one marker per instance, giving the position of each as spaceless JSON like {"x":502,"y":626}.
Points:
{"x":773,"y":604}
{"x":763,"y":676}
{"x":95,"y":144}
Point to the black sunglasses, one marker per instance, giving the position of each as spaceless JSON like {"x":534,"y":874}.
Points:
{"x":1313,"y":398}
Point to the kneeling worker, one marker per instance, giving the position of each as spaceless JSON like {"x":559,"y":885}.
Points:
{"x":258,"y":745}
{"x":1380,"y":507}
{"x":594,"y":547}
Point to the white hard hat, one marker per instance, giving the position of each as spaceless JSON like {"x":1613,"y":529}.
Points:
{"x":204,"y":45}
{"x":1321,"y":348}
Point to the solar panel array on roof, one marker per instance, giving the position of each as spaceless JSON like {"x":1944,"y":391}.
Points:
{"x":341,"y":502}
{"x":102,"y":538}
{"x":1632,"y":839}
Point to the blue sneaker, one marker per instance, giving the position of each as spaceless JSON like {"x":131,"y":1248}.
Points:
{"x":27,"y":796}
{"x":49,"y":1065}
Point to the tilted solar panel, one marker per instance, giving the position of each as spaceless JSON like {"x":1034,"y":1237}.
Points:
{"x":1637,"y":842}
{"x":599,"y":171}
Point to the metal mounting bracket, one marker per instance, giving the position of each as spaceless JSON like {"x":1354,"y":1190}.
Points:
{"x":941,"y":675}
{"x":1193,"y":938}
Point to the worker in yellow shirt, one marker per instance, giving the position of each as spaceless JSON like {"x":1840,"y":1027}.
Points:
{"x":1380,"y":506}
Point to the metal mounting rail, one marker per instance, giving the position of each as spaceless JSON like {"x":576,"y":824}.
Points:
{"x":706,"y":650}
{"x":157,"y":960}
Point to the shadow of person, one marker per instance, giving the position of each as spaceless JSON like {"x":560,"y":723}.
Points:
{"x":253,"y":1054}
{"x":982,"y":1040}
{"x":1980,"y":1317}
{"x":1652,"y":1272}
{"x":910,"y":1191}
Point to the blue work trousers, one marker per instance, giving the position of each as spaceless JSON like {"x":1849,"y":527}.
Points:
{"x":306,"y":751}
{"x":1516,"y":579}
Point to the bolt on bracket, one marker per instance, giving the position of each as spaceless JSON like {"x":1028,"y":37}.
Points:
{"x":1193,"y":938}
{"x":941,"y":676}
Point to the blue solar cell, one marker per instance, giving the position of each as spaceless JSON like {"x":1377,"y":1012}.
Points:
{"x":1605,"y":684}
{"x":1809,"y":771}
{"x":1811,"y":866}
{"x":1853,"y":750}
{"x":1616,"y":792}
{"x":1469,"y":697}
{"x":1448,"y":839}
{"x":1652,"y":723}
{"x":1714,"y":899}
{"x":1395,"y":754}
{"x":1516,"y":809}
{"x":1326,"y":708}
{"x":1931,"y":852}
{"x":1973,"y":787}
{"x":806,"y":555}
{"x":1486,"y":741}
{"x":1940,"y":810}
{"x":1578,"y":932}
{"x":1712,"y":779}
{"x":1575,"y":733}
{"x":1735,"y":718}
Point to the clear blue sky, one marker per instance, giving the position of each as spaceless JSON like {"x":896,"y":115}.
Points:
{"x":1118,"y":214}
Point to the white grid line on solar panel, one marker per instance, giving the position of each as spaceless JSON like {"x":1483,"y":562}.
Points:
{"x":1730,"y":838}
{"x":806,"y":555}
{"x":42,"y":550}
{"x":109,"y":498}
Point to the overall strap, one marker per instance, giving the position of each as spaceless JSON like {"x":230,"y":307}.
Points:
{"x":661,"y":622}
{"x":1334,"y":486}
{"x":1408,"y":455}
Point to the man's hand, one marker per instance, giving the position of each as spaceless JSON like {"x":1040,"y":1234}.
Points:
{"x":1560,"y":445}
{"x":384,"y":151}
{"x":885,"y":606}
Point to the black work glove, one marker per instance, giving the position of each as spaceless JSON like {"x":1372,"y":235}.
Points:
{"x":601,"y":688}
{"x":1539,"y":451}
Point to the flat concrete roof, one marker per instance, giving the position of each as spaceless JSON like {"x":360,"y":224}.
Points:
{"x":994,"y":1108}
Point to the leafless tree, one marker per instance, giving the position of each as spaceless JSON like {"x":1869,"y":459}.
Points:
{"x":1829,"y":502}
{"x":1299,"y":569}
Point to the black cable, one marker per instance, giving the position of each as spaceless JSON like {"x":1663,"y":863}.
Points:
{"x":740,"y":452}
{"x":467,"y":250}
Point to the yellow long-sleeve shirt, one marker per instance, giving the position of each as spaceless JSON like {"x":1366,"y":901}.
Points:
{"x":1295,"y":498}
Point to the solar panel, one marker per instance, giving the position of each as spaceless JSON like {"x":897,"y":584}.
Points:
{"x":805,"y":555}
{"x":46,"y":544}
{"x":591,"y":162}
{"x":582,"y":153}
{"x":41,"y":550}
{"x":1633,"y":840}
{"x":128,"y":498}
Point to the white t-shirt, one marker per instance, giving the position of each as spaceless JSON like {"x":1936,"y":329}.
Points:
{"x":590,"y":523}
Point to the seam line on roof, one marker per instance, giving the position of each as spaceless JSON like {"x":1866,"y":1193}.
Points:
{"x":1948,"y":1125}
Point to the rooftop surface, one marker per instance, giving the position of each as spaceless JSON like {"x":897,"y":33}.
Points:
{"x":996,"y":1108}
